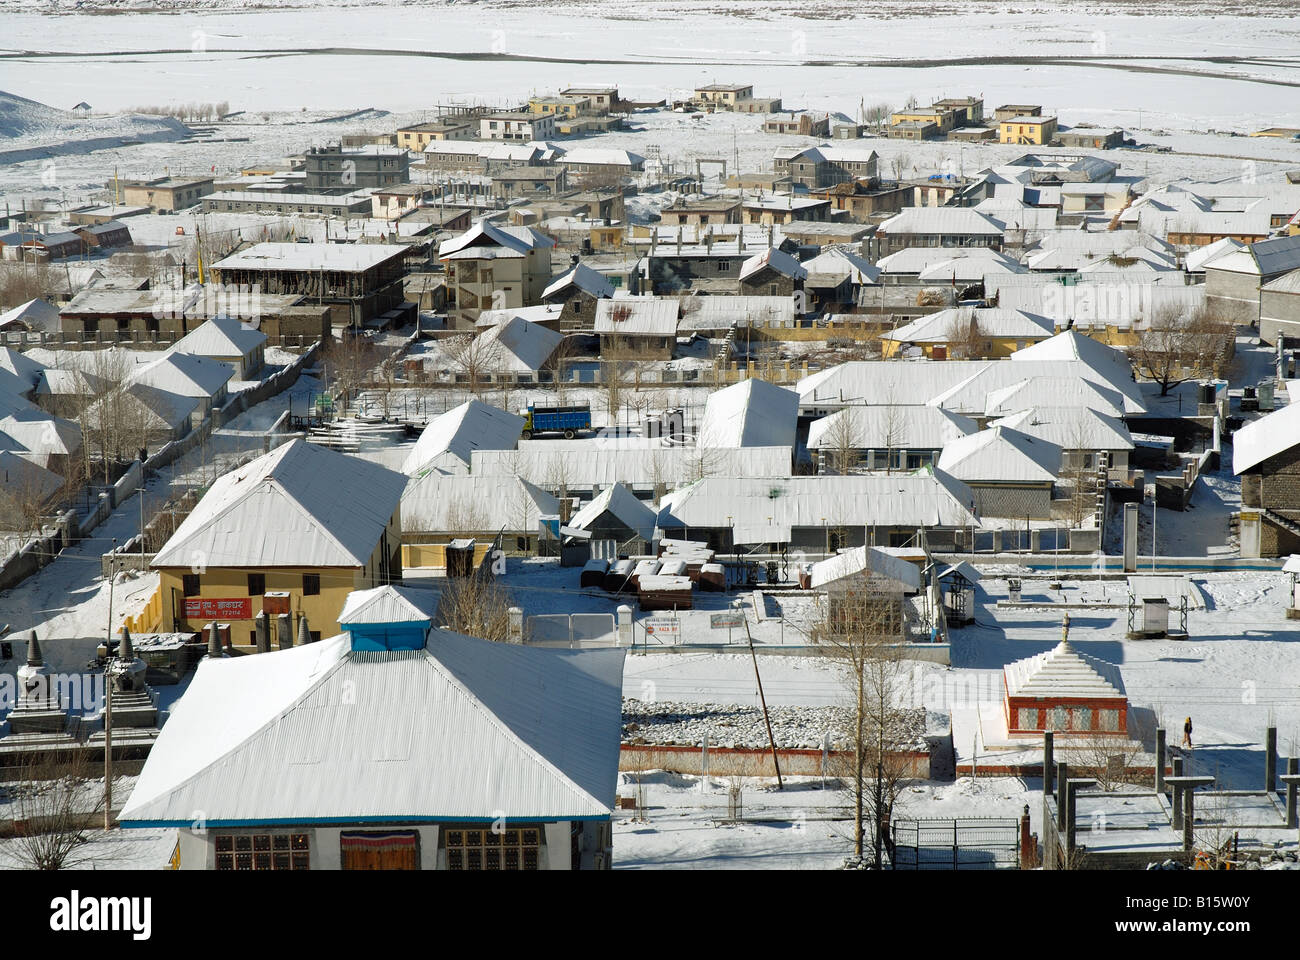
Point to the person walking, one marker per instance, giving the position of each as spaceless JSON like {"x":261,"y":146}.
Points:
{"x":1187,"y":733}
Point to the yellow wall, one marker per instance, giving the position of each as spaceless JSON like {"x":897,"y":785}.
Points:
{"x":435,"y":554}
{"x":322,"y":610}
{"x":1001,"y":348}
{"x":1026,"y":132}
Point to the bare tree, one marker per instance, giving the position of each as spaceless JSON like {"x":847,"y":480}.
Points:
{"x":1176,"y":346}
{"x":861,"y":630}
{"x":900,"y":163}
{"x":842,"y":448}
{"x":58,"y":806}
{"x":473,"y":357}
{"x":966,"y":341}
{"x":477,"y":606}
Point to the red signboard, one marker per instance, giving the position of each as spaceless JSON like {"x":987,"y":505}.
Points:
{"x":214,"y":608}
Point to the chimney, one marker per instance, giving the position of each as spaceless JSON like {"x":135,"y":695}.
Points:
{"x":283,"y":632}
{"x":214,"y":640}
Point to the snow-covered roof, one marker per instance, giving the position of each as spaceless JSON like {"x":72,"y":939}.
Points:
{"x":1264,"y":258}
{"x":184,"y":374}
{"x":920,"y":259}
{"x":19,"y":373}
{"x":541,"y":313}
{"x":620,"y":503}
{"x":1054,"y":391}
{"x":888,"y":426}
{"x":1001,"y":455}
{"x":1287,"y":283}
{"x":603,"y":156}
{"x":1070,"y":345}
{"x":1064,"y":672}
{"x":885,"y":381}
{"x":832,"y":266}
{"x":752,"y":413}
{"x":941,"y":220}
{"x":38,"y":434}
{"x":778,"y":260}
{"x":387,"y":604}
{"x":474,"y":425}
{"x":221,"y":337}
{"x":1070,"y":428}
{"x":765,"y":511}
{"x":337,"y":257}
{"x":436,"y":502}
{"x":26,"y":480}
{"x":486,"y":239}
{"x":637,"y":316}
{"x":463,"y":729}
{"x":866,"y":562}
{"x":588,"y":463}
{"x":34,"y":315}
{"x":583,"y":278}
{"x":992,"y":322}
{"x":517,"y":346}
{"x":718,"y":312}
{"x":300,"y":505}
{"x":1271,"y":434}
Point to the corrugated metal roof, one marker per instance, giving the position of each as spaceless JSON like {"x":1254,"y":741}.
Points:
{"x":1070,"y":428}
{"x":623,"y":505}
{"x":765,"y":511}
{"x":583,"y":278}
{"x":474,"y":425}
{"x":388,"y":604}
{"x":866,"y":561}
{"x":775,"y":259}
{"x":889,"y":426}
{"x":588,"y":463}
{"x":462,"y":730}
{"x":752,"y":413}
{"x":638,"y":316}
{"x":1271,"y":434}
{"x":1001,"y":455}
{"x":517,"y":346}
{"x":300,"y":505}
{"x":1053,"y":391}
{"x":184,"y":374}
{"x":941,"y":220}
{"x":991,"y":322}
{"x":221,"y":337}
{"x":437,"y":503}
{"x":338,"y":257}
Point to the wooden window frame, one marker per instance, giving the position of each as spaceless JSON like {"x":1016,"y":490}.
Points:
{"x":262,"y":851}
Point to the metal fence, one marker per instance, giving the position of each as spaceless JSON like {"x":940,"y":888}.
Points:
{"x":571,"y":630}
{"x":966,"y":843}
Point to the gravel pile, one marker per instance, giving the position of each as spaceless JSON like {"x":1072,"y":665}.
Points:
{"x":732,"y":725}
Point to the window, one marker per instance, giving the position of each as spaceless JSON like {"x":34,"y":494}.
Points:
{"x":476,"y":848}
{"x":1080,"y":718}
{"x":1027,"y":718}
{"x":190,"y":585}
{"x":263,"y":851}
{"x":366,"y":850}
{"x":311,"y":584}
{"x":1109,"y":719}
{"x":256,"y":584}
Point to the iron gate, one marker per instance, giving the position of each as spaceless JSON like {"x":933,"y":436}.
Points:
{"x":965,"y":843}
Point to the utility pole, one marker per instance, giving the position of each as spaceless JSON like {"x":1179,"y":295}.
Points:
{"x":776,"y":763}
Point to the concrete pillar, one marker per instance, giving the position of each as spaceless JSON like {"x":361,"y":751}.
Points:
{"x":516,"y":624}
{"x":262,"y":631}
{"x":1048,"y":770}
{"x":623,"y":620}
{"x":1270,"y":760}
{"x":1071,"y":792}
{"x":997,"y":541}
{"x":1293,"y":768}
{"x":283,"y":632}
{"x":1189,"y":818}
{"x":1130,"y":537}
{"x":1035,"y":541}
{"x":1160,"y":760}
{"x":1177,"y":798}
{"x":1062,"y":782}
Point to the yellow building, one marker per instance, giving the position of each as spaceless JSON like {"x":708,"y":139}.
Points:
{"x":944,"y":119}
{"x":294,"y":531}
{"x":1027,"y":130}
{"x":964,"y":333}
{"x":568,"y":107}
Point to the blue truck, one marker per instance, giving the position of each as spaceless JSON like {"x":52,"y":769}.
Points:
{"x":566,"y":420}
